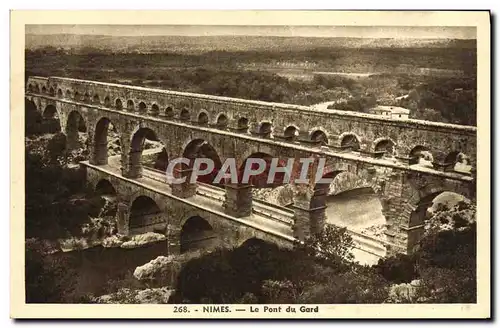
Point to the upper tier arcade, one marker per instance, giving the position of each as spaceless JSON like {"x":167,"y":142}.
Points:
{"x":340,"y":130}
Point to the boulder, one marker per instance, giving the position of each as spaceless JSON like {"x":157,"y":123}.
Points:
{"x":143,"y":239}
{"x":113,"y":241}
{"x":404,"y":293}
{"x":160,"y":268}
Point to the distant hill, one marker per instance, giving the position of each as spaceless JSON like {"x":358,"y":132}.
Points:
{"x":200,"y":44}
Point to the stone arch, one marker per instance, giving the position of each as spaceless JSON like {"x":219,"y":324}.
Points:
{"x":350,"y":141}
{"x":52,"y":92}
{"x":462,"y":162}
{"x":142,"y":107}
{"x":36,"y":88}
{"x":291,"y":132}
{"x":86,"y":97}
{"x":252,"y":242}
{"x":346,"y":181}
{"x":203,"y":118}
{"x":264,"y":129}
{"x":44,"y":89}
{"x":200,"y":148}
{"x":242,"y":123}
{"x":459,"y":161}
{"x":420,"y":155}
{"x":184,"y":114}
{"x":169,"y":111}
{"x":221,"y":121}
{"x":249,"y":151}
{"x":419,"y":187}
{"x":196,"y":233}
{"x":137,"y":145}
{"x":155,"y":110}
{"x":77,"y":96}
{"x":452,"y":157}
{"x":50,"y":112}
{"x":130,"y":105}
{"x":96,"y":100}
{"x":74,"y":125}
{"x":100,"y":146}
{"x":425,"y":207}
{"x":356,"y":203}
{"x":145,"y":215}
{"x":385,"y":145}
{"x":329,"y":172}
{"x":59,"y":93}
{"x":69,"y":94}
{"x":118,"y":104}
{"x":319,"y":135}
{"x":260,"y":180}
{"x":105,"y":187}
{"x":252,"y":250}
{"x":107,"y":102}
{"x":51,"y":119}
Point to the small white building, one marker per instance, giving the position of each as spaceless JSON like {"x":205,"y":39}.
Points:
{"x":390,"y":111}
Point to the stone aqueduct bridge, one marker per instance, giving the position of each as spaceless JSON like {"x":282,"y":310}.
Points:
{"x":380,"y":152}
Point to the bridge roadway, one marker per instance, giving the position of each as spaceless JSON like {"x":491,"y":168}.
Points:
{"x":208,"y":197}
{"x":269,"y":218}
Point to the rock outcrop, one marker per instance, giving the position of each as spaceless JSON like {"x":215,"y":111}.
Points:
{"x":163,"y":267}
{"x":404,"y":293}
{"x":143,"y":239}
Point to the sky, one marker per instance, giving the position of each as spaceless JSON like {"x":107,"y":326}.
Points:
{"x":420,"y":32}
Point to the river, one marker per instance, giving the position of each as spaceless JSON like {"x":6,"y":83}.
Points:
{"x":360,"y":211}
{"x":99,"y":270}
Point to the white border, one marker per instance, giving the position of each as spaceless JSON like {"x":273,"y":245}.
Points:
{"x":148,"y":4}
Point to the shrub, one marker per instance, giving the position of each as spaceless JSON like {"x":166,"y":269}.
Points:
{"x":397,"y":269}
{"x":364,"y":286}
{"x":332,"y":246}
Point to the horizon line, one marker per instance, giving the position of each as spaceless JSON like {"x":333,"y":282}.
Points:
{"x":250,"y":35}
{"x":292,"y":31}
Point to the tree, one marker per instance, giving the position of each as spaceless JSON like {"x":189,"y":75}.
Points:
{"x":56,"y":147}
{"x":47,"y":280}
{"x":332,"y":246}
{"x":398,"y":269}
{"x":361,"y":285}
{"x":446,"y":258}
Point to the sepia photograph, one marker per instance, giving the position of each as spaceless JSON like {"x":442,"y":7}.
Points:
{"x":253,"y":169}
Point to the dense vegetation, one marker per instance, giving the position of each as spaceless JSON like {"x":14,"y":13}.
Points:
{"x":440,"y":84}
{"x":56,"y":202}
{"x":56,"y":206}
{"x":259,"y":272}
